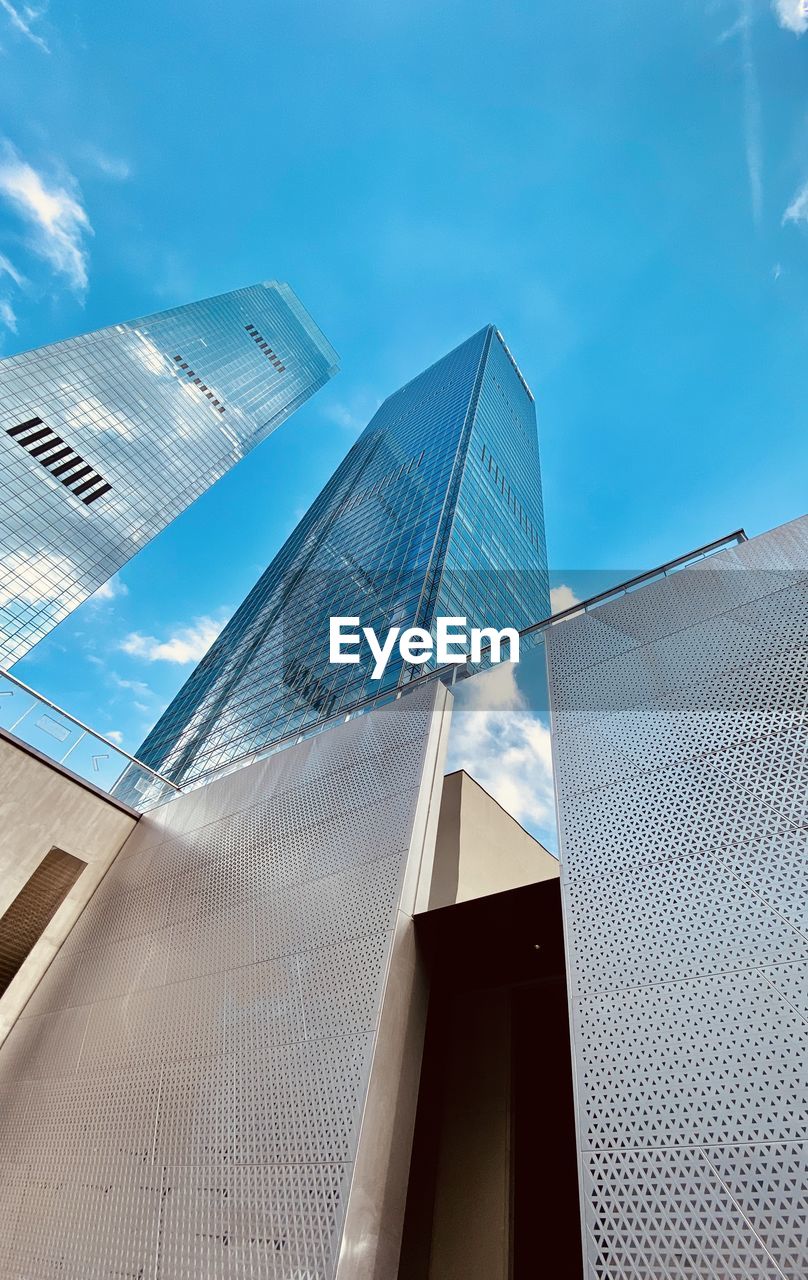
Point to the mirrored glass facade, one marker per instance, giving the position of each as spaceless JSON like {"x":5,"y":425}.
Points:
{"x":105,"y":438}
{"x":435,"y":511}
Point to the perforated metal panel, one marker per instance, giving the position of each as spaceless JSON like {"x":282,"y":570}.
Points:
{"x":183,"y":1093}
{"x":679,"y":726}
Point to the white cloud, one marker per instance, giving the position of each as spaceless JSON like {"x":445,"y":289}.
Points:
{"x":7,"y":268}
{"x":797,"y":211}
{"x":562,"y":597}
{"x":114,"y":735}
{"x":34,"y":578}
{"x":7,"y":316}
{"x":23,"y":21}
{"x":132,"y":686}
{"x":187,"y":644}
{"x":92,"y":412}
{"x":792,"y":14}
{"x":497,"y":739}
{"x":110,"y":590}
{"x":752,"y":126}
{"x":732,"y":30}
{"x":54,"y":214}
{"x":111,"y":166}
{"x":753,"y":130}
{"x":342,"y":415}
{"x":354,"y":416}
{"x":150,"y":355}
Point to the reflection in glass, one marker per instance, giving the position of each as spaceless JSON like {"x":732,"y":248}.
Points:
{"x":500,"y":735}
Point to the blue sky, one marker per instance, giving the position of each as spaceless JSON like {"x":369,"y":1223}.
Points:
{"x":622,"y":188}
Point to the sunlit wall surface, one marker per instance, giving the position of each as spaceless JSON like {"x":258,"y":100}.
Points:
{"x":436,"y":510}
{"x":105,"y":438}
{"x":681,"y":760}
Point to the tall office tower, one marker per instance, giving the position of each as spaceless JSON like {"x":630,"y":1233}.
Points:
{"x":435,"y":511}
{"x":105,"y":438}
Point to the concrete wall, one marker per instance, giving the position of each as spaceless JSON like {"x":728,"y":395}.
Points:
{"x":43,"y":807}
{"x":480,"y":848}
{"x":681,"y":766}
{"x":217,"y":1076}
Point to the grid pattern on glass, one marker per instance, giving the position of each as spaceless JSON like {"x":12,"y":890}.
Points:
{"x":50,"y":451}
{"x":409,"y":527}
{"x":148,"y":425}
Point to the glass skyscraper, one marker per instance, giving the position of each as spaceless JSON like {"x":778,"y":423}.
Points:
{"x":435,"y":511}
{"x":105,"y":438}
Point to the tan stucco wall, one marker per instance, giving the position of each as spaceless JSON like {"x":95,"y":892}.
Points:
{"x":480,"y":848}
{"x":42,"y":807}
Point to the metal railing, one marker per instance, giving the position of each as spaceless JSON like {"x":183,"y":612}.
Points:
{"x":103,"y":763}
{"x":55,"y":733}
{"x":454,"y":672}
{"x":641,"y":579}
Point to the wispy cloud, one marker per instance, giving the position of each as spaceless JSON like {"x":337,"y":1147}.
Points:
{"x":57,"y":222}
{"x":7,"y":317}
{"x":137,"y":687}
{"x":792,"y":14}
{"x":23,"y":20}
{"x":562,"y":597}
{"x":186,"y":644}
{"x":7,"y":268}
{"x":111,"y":166}
{"x":732,"y":30}
{"x":797,"y":211}
{"x":752,"y":118}
{"x":753,"y":130}
{"x":111,"y":590}
{"x":506,"y":747}
{"x":344,"y":417}
{"x":354,"y":414}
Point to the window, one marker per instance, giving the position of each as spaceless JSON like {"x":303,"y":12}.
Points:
{"x":34,"y":907}
{"x":60,"y":459}
{"x":196,"y":381}
{"x":263,"y":345}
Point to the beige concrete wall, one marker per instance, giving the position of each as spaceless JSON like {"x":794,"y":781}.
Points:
{"x":42,"y":807}
{"x":480,"y":848}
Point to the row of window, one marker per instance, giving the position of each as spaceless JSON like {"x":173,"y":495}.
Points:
{"x":502,"y":484}
{"x":60,"y":459}
{"x":197,"y":382}
{"x":260,"y":340}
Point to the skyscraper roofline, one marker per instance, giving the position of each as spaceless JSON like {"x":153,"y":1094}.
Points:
{"x":295,"y":304}
{"x":509,"y":354}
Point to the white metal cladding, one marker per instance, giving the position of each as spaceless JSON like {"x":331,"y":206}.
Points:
{"x":182,"y":1095}
{"x":679,"y":729}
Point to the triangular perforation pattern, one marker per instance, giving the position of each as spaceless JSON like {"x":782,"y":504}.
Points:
{"x":660,"y":1215}
{"x":681,"y":765}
